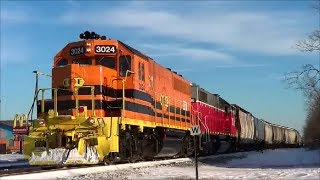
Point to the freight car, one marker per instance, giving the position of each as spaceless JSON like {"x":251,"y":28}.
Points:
{"x":254,"y":133}
{"x":111,"y":103}
{"x":246,"y":128}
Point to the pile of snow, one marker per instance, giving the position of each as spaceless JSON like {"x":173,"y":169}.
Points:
{"x":58,"y":155}
{"x":278,"y":158}
{"x":89,"y":157}
{"x":55,"y":156}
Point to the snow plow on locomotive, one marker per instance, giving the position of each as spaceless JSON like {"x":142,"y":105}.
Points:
{"x":110,"y":102}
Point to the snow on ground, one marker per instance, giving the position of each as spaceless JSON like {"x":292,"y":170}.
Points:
{"x":7,"y":160}
{"x":297,"y":157}
{"x":282,"y":157}
{"x":11,"y":157}
{"x":55,"y":156}
{"x":205,"y":172}
{"x":271,"y":164}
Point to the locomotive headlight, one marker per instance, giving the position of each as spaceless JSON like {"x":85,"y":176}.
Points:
{"x":88,"y":47}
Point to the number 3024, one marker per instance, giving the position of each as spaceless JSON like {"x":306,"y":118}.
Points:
{"x":76,"y":51}
{"x":105,"y":49}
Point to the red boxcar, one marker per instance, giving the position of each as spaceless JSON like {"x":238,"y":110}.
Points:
{"x":213,"y":111}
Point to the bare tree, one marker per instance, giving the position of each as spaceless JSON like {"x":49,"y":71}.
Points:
{"x":310,"y":44}
{"x":307,"y":79}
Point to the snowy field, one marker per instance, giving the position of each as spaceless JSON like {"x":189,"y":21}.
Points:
{"x":271,"y":164}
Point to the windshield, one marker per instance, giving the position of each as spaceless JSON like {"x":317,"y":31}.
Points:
{"x":106,"y":61}
{"x":82,"y":61}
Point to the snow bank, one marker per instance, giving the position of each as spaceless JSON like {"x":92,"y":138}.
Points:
{"x":90,"y":156}
{"x":57,"y":156}
{"x":278,"y":158}
{"x":54,"y":156}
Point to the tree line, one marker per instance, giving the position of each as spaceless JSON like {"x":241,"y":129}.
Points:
{"x":307,"y":80}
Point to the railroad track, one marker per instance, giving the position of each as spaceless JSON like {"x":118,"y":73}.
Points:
{"x":21,"y":170}
{"x":37,"y":169}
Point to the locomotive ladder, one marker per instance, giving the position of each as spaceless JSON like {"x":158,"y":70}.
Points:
{"x":207,"y":135}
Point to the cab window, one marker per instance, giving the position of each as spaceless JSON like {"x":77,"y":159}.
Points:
{"x":109,"y":62}
{"x":62,"y":62}
{"x":82,"y":61}
{"x":125,"y":64}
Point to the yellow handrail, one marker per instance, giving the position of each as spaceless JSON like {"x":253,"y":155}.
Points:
{"x":76,"y":94}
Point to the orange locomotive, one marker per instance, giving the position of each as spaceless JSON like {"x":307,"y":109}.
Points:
{"x":110,"y":96}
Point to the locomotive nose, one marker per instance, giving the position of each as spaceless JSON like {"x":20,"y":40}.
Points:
{"x":82,"y":81}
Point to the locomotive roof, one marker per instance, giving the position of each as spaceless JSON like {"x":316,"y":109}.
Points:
{"x":135,"y":51}
{"x":242,"y":109}
{"x":277,"y":125}
{"x":142,"y":55}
